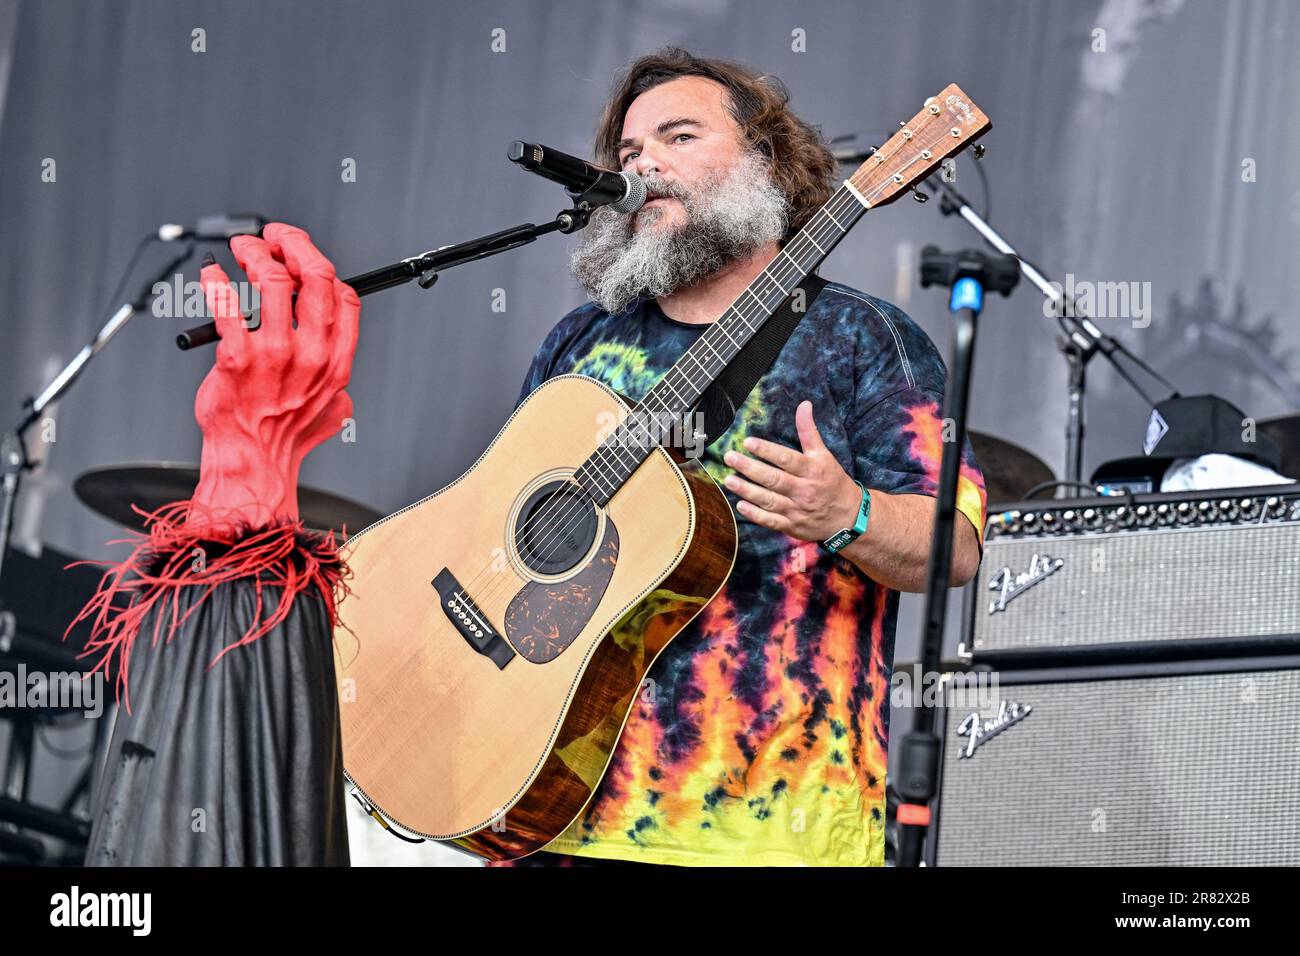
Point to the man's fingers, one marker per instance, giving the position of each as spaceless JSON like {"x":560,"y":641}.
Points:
{"x":809,"y":437}
{"x":767,"y":519}
{"x":787,"y":459}
{"x":764,"y":498}
{"x":274,"y":287}
{"x":761,"y":474}
{"x":223,"y":303}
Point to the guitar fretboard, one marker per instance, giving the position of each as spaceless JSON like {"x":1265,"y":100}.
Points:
{"x":682,"y":386}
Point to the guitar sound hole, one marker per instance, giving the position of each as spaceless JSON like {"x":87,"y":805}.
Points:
{"x":555,"y":528}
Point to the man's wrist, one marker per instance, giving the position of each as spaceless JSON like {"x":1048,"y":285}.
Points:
{"x":855,"y":523}
{"x":852,"y":504}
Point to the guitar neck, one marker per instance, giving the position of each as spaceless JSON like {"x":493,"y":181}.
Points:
{"x":689,"y":378}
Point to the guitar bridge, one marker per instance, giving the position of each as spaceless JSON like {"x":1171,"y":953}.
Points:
{"x":470,"y":621}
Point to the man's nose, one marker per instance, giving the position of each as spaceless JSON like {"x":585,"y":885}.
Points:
{"x":648,"y":162}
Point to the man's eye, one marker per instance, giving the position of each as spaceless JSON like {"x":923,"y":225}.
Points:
{"x":682,"y":136}
{"x":628,"y":158}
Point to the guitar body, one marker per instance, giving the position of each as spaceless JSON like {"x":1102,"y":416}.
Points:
{"x":487,"y":661}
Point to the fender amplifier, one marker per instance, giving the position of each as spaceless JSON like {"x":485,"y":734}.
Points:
{"x":1156,"y":764}
{"x":1154,"y":576}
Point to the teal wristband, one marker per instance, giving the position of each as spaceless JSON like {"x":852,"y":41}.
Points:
{"x":844,"y":536}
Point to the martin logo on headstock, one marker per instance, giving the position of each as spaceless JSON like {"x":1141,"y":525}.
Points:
{"x":956,"y":102}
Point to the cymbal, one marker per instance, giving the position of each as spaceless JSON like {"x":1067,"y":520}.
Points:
{"x":1285,"y":430}
{"x":110,"y":491}
{"x":1009,"y":470}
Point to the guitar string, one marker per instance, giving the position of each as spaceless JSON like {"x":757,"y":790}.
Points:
{"x":559,"y":527}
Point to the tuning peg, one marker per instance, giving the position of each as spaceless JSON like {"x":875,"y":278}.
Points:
{"x":978,"y":151}
{"x":919,"y":196}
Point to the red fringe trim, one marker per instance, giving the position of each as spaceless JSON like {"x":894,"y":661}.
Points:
{"x":285,"y":555}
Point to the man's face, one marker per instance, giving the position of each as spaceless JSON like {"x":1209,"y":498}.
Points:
{"x":679,"y":132}
{"x":712,"y":200}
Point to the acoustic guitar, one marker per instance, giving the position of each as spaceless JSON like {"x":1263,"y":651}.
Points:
{"x":504,"y":625}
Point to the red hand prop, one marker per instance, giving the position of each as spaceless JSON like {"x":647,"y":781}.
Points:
{"x":273,"y":395}
{"x":277,"y":392}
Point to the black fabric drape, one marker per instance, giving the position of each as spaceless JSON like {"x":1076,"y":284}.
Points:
{"x":239,"y":764}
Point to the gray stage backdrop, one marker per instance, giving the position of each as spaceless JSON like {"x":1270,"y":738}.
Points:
{"x":1140,"y":142}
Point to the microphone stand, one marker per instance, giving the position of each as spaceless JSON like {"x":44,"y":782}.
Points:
{"x":426,"y":267}
{"x":1081,"y":338}
{"x":969,"y":273}
{"x":14,"y":461}
{"x":1080,"y":341}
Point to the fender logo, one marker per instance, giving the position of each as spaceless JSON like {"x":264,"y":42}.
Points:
{"x":1011,"y":586}
{"x":980,"y":732}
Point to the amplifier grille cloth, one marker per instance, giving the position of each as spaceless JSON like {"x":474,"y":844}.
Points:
{"x":1194,"y":769}
{"x":1145,"y":586}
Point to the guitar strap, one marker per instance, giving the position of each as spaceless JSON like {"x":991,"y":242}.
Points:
{"x":723,"y":398}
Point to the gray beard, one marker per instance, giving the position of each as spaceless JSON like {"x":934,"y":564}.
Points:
{"x":730,"y":216}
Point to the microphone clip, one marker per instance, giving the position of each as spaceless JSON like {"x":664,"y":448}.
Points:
{"x":571,"y":220}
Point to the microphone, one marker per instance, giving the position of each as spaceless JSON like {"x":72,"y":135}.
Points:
{"x":622,"y":192}
{"x":218,"y":227}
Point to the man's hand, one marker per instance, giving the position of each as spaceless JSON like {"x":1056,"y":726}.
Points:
{"x":805,"y":494}
{"x":275,"y":392}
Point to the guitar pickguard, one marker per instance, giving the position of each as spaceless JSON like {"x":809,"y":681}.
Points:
{"x":545,"y":617}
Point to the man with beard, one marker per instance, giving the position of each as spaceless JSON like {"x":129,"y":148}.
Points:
{"x":762,"y":732}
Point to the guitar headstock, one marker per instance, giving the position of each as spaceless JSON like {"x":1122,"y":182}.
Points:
{"x":946,"y":125}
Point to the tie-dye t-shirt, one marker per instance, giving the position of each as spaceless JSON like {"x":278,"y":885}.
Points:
{"x":764,"y":740}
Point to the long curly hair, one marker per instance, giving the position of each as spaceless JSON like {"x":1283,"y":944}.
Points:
{"x":802,"y":165}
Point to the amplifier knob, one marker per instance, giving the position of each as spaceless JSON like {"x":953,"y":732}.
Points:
{"x":1124,"y":516}
{"x":1247,"y":506}
{"x":1205,"y":512}
{"x":1184,"y":512}
{"x":1000,"y":523}
{"x":1091,"y":516}
{"x":1030,"y":520}
{"x":1274,"y":507}
{"x":1049,"y":521}
{"x":1145,"y":515}
{"x":1227,"y":510}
